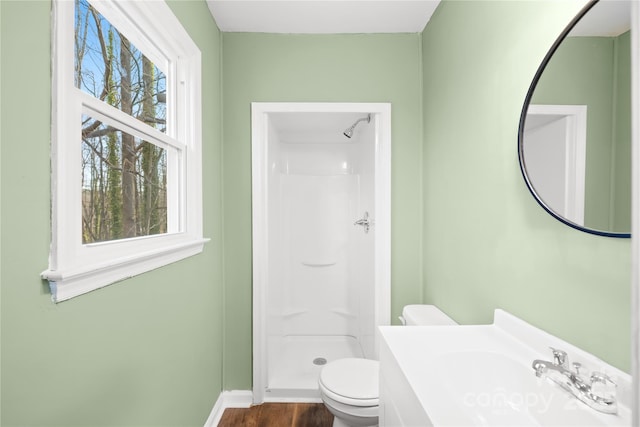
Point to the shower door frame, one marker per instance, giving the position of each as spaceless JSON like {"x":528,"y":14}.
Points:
{"x":381,"y":112}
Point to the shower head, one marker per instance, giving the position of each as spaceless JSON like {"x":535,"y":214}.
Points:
{"x":349,"y":132}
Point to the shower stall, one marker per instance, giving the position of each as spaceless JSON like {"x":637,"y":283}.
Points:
{"x":321,"y":240}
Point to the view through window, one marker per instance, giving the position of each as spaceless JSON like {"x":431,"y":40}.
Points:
{"x":124,"y":178}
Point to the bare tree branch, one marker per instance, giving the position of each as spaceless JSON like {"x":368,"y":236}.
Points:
{"x":105,"y":55}
{"x":81,"y":45}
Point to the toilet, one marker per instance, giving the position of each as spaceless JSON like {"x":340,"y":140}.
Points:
{"x":425,"y":315}
{"x":349,"y":390}
{"x":349,"y":387}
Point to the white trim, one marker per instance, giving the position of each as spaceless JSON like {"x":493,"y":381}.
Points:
{"x":76,"y":268}
{"x":635,"y":208}
{"x":83,"y":280}
{"x":228,"y":399}
{"x":259,"y":123}
{"x":123,"y":121}
{"x":575,"y":155}
{"x":383,"y":221}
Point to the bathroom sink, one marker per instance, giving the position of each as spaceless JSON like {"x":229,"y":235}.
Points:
{"x":482,"y":375}
{"x":493,"y":389}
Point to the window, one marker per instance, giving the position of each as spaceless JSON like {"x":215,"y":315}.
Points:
{"x":126,"y":143}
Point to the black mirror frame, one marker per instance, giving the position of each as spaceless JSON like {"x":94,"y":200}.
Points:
{"x":523,"y":116}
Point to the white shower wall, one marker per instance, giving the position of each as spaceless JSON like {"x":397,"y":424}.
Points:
{"x":316,"y":213}
{"x":320,"y":265}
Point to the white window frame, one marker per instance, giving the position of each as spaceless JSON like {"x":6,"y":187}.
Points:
{"x":76,"y":268}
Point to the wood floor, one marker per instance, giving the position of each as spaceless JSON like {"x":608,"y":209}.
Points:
{"x":278,"y":415}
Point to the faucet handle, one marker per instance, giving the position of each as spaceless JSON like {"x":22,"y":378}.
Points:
{"x":599,"y":377}
{"x":559,"y":357}
{"x":603,"y":388}
{"x":577,"y":366}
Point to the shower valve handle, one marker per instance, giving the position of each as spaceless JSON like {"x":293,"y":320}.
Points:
{"x":364,"y":222}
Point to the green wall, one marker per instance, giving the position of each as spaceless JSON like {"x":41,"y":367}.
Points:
{"x":142,"y":352}
{"x":467,"y":235}
{"x":487,"y":243}
{"x":596,"y":72}
{"x":622,"y":133}
{"x":341,"y":68}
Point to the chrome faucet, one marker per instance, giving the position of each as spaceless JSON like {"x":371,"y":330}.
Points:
{"x":595,"y":392}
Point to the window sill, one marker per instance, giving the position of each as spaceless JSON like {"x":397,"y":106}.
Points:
{"x":68,"y":283}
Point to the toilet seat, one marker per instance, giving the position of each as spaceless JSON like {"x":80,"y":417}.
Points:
{"x":351,"y":381}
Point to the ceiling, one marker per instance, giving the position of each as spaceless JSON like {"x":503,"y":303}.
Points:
{"x":322,"y":16}
{"x":608,"y":18}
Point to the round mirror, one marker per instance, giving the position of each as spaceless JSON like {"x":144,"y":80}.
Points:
{"x":574,"y":140}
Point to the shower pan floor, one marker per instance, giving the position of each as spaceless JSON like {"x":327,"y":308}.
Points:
{"x":291,"y":359}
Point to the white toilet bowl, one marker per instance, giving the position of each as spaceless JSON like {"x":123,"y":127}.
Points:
{"x":349,"y":389}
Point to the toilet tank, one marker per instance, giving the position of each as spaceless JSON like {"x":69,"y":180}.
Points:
{"x":424,"y":315}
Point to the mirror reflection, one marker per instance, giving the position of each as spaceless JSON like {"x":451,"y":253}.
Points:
{"x":575,"y":148}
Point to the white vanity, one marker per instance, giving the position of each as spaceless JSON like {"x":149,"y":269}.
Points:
{"x":483,"y":375}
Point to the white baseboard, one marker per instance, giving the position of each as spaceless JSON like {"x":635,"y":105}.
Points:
{"x":229,"y":399}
